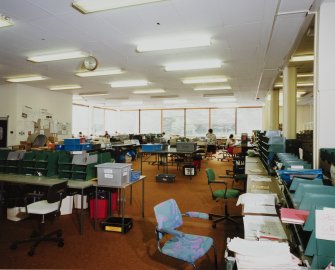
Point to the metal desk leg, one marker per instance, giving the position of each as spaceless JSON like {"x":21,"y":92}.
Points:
{"x":82,"y":214}
{"x":122,"y":208}
{"x":143,"y":198}
{"x":96,"y":207}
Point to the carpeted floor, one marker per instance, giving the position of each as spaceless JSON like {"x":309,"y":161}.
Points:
{"x":135,"y":250}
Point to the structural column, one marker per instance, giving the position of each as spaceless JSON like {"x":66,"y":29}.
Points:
{"x":274,"y":110}
{"x":266,"y":110}
{"x":324,"y":89}
{"x":290,"y":102}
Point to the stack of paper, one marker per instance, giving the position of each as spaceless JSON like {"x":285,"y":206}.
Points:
{"x":263,"y":228}
{"x":262,"y":254}
{"x":261,"y":204}
{"x":260,"y":178}
{"x":293,"y":216}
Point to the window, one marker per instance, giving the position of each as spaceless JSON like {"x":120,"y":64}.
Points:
{"x":112,"y":121}
{"x":80,"y":119}
{"x":223,"y":121}
{"x":129,"y":122}
{"x":249,"y":119}
{"x":173,"y":122}
{"x":150,"y":121}
{"x":197,"y":122}
{"x":98,"y":121}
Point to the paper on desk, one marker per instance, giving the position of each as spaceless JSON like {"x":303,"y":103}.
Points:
{"x":260,"y":178}
{"x":259,"y":209}
{"x":324,"y":224}
{"x":261,"y":255}
{"x":257,"y":199}
{"x":256,"y":226}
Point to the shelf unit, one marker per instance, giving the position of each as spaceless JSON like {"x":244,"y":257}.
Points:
{"x":40,"y":163}
{"x":270,"y":143}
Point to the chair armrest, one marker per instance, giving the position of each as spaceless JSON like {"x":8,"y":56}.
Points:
{"x":197,"y":215}
{"x":171,"y":231}
{"x":226,"y":176}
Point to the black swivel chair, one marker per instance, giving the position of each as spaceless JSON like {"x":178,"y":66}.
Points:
{"x":50,"y":205}
{"x":238,"y":172}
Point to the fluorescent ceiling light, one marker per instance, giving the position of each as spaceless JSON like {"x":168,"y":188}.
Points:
{"x":129,"y":83}
{"x":165,"y":96}
{"x":213,"y":88}
{"x":26,"y":79}
{"x":94,"y":94}
{"x":301,"y":84}
{"x":57,"y":56}
{"x":173,"y":43}
{"x":208,"y":79}
{"x":302,"y":58}
{"x":116,"y":98}
{"x":5,"y":21}
{"x":89,"y":6}
{"x":223,"y":99}
{"x":64,"y":87}
{"x":101,"y":72}
{"x":219,"y":95}
{"x":302,"y":75}
{"x":132,"y":103}
{"x":148,"y":91}
{"x":192,"y":65}
{"x":174,"y":101}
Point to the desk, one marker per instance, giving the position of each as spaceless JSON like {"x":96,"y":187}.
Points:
{"x":47,"y":181}
{"x":165,"y":153}
{"x":255,"y":168}
{"x":122,"y":188}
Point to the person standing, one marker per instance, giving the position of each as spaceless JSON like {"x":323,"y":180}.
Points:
{"x":211,"y":143}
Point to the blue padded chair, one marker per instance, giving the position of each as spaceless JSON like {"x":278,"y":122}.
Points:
{"x":296,"y":181}
{"x":223,"y":194}
{"x":171,"y":242}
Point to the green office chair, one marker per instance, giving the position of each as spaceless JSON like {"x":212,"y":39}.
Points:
{"x":218,"y":194}
{"x":50,"y":205}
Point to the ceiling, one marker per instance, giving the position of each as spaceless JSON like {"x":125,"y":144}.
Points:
{"x":253,"y":39}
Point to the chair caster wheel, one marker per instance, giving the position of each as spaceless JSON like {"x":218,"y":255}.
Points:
{"x":61,"y":243}
{"x":214,"y":225}
{"x":31,"y":253}
{"x":13,"y":246}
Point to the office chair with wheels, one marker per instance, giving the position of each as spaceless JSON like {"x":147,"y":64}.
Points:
{"x":52,"y":204}
{"x":171,"y":242}
{"x":224,"y":194}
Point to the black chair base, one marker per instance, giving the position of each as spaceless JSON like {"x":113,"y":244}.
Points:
{"x":219,"y":218}
{"x":55,"y":236}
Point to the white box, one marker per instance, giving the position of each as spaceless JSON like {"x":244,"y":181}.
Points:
{"x":67,"y":205}
{"x":16,"y":213}
{"x":77,"y":201}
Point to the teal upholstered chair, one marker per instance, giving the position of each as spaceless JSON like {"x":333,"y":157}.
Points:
{"x":221,"y":194}
{"x":171,"y":242}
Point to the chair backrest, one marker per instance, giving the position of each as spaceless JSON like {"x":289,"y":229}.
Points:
{"x":210,"y":175}
{"x":168,"y":215}
{"x":40,"y":140}
{"x":57,"y":192}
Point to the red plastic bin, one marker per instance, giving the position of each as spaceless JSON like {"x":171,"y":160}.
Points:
{"x":102,"y":211}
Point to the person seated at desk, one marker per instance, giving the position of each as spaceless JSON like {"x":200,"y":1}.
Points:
{"x":230,"y":143}
{"x":107,"y":135}
{"x":165,"y":138}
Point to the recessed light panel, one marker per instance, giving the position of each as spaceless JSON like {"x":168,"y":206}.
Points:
{"x":129,"y":83}
{"x":89,"y":6}
{"x":101,"y":72}
{"x":64,"y":87}
{"x":148,"y":91}
{"x":30,"y":78}
{"x":204,"y":79}
{"x":193,"y":65}
{"x":57,"y":56}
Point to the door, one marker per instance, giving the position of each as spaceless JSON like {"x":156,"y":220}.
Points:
{"x":3,"y":131}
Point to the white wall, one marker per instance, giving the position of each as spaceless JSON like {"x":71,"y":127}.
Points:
{"x":14,"y":96}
